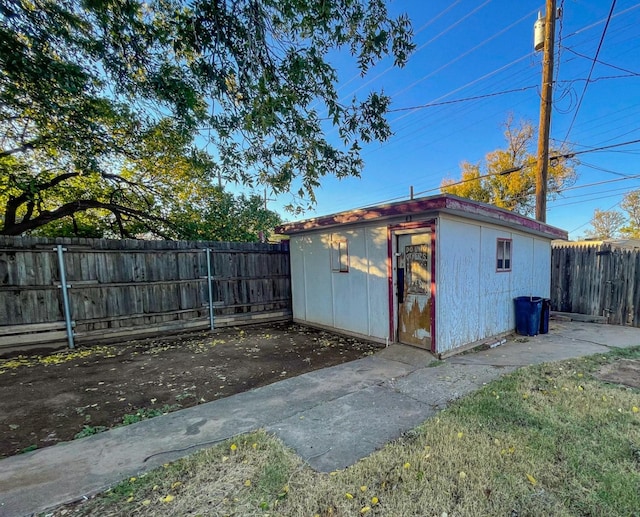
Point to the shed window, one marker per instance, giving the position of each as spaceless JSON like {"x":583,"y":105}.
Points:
{"x":340,"y":256}
{"x":503,"y":255}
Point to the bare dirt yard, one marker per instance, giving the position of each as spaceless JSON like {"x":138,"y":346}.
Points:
{"x":46,"y":399}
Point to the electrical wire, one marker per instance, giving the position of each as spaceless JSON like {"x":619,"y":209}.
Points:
{"x":418,"y":49}
{"x":602,"y":62}
{"x":464,"y":54}
{"x":455,"y":101}
{"x":593,"y":64}
{"x":589,"y":221}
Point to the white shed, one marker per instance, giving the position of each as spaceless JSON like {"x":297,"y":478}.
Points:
{"x":438,"y":272}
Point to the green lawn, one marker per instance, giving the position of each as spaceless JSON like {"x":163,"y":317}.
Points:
{"x":545,"y":440}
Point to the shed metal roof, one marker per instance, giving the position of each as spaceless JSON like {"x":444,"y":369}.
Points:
{"x":445,"y":203}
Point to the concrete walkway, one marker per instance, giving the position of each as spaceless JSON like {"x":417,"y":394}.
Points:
{"x":331,"y":417}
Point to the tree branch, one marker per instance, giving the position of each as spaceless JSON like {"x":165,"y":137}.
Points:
{"x":20,"y":149}
{"x":70,"y":209}
{"x":13,"y":203}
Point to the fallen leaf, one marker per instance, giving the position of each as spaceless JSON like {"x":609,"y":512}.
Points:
{"x":247,"y":482}
{"x":635,"y":409}
{"x":146,"y":502}
{"x":365,"y":509}
{"x":348,"y":495}
{"x":460,"y":435}
{"x":233,"y":447}
{"x":531,"y":479}
{"x":407,"y":465}
{"x":363,"y":488}
{"x":167,"y":498}
{"x":375,"y":500}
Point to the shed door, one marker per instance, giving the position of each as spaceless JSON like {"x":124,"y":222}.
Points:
{"x":414,"y":289}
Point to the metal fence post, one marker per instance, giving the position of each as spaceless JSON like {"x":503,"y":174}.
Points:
{"x":65,"y":294}
{"x":210,"y":284}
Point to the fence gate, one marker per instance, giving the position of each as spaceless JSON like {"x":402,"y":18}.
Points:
{"x":597,"y":280}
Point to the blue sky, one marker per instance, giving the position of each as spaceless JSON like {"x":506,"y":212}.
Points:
{"x":470,"y":48}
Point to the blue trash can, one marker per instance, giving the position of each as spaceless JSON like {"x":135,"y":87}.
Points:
{"x":528,"y":309}
{"x":544,"y":316}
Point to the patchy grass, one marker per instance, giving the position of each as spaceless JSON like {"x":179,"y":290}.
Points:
{"x":545,"y":440}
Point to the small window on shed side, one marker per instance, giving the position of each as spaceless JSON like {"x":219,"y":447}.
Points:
{"x":503,"y":255}
{"x":339,"y":256}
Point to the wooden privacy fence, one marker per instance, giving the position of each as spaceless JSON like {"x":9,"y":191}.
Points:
{"x":119,"y":289}
{"x":598,"y":280}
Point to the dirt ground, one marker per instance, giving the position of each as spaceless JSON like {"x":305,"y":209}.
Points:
{"x":46,"y":399}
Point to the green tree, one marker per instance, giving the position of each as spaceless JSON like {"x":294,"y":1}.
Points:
{"x":86,"y":86}
{"x":605,"y":224}
{"x":221,"y":216}
{"x":507,"y":177}
{"x":631,"y":205}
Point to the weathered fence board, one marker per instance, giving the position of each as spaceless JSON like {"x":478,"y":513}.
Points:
{"x":117,"y":285}
{"x":598,"y":280}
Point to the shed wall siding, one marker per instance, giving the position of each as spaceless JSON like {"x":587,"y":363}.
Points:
{"x":378,"y":285}
{"x":495,"y":288}
{"x":458,"y":320}
{"x":542,"y":267}
{"x":356,"y":301}
{"x":298,"y":287}
{"x":474,"y":301}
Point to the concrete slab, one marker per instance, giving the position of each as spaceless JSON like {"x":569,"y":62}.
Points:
{"x":607,"y":335}
{"x":351,"y":427}
{"x":409,"y":355}
{"x":440,"y":386}
{"x":565,"y":340}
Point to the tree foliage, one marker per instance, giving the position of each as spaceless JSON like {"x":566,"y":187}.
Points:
{"x":631,"y":205}
{"x":610,"y":224}
{"x":605,"y":224}
{"x":507,"y":177}
{"x":104,"y":104}
{"x":222,"y":216}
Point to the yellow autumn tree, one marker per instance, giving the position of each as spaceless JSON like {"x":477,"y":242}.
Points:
{"x":507,"y":177}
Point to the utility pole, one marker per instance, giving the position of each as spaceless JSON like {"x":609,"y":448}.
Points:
{"x":545,"y":111}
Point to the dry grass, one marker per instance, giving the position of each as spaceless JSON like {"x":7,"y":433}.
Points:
{"x":546,"y":440}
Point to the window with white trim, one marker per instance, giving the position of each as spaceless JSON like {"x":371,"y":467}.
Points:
{"x":503,"y":255}
{"x":340,"y":256}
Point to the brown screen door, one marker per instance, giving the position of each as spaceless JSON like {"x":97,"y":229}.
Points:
{"x":414,"y":289}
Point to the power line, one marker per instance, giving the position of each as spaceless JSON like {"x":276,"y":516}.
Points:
{"x":432,"y":20}
{"x":519,"y":168}
{"x":594,"y":149}
{"x":589,"y":221}
{"x":465,"y":99}
{"x":591,"y":195}
{"x":595,"y":24}
{"x":604,"y":182}
{"x":598,"y":168}
{"x":593,"y":64}
{"x":430,"y":74}
{"x":602,"y":62}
